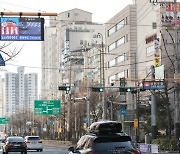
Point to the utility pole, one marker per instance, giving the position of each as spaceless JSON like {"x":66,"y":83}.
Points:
{"x":176,"y":75}
{"x":102,"y":80}
{"x":89,"y":75}
{"x":176,"y":70}
{"x":153,"y":107}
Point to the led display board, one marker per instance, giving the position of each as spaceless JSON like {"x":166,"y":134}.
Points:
{"x":22,"y":29}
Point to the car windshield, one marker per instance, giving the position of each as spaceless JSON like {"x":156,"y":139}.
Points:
{"x":33,"y":138}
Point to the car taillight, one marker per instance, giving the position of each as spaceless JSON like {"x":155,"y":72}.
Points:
{"x":23,"y":143}
{"x":27,"y":142}
{"x":9,"y":144}
{"x":135,"y":152}
{"x":40,"y":141}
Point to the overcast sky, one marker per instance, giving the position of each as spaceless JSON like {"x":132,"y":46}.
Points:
{"x":31,"y":52}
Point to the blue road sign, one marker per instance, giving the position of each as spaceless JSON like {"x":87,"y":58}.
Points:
{"x":86,"y":120}
{"x":123,"y":111}
{"x":2,"y":62}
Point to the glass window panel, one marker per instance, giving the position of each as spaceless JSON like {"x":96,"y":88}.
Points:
{"x":121,"y":24}
{"x":111,"y":47}
{"x":120,"y":59}
{"x":111,"y":31}
{"x":112,"y":79}
{"x":121,"y":41}
{"x":112,"y":62}
{"x":121,"y":75}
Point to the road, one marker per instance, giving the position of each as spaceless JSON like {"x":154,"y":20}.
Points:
{"x":47,"y":150}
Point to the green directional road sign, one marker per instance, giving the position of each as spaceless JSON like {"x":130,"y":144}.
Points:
{"x":47,"y":107}
{"x":4,"y":120}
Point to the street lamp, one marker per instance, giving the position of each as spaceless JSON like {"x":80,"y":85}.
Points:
{"x":102,"y":77}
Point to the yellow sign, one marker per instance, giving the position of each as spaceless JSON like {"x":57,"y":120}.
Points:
{"x":135,"y":123}
{"x":60,"y":130}
{"x":157,"y":61}
{"x":32,"y":131}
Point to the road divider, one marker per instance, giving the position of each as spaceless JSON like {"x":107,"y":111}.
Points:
{"x":57,"y":143}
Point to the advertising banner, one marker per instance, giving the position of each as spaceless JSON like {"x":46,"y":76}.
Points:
{"x":22,"y":29}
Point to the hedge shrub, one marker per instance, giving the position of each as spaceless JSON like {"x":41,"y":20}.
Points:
{"x":166,"y":144}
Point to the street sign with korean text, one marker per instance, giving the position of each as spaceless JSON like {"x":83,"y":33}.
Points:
{"x":4,"y":120}
{"x":153,"y":85}
{"x":47,"y":107}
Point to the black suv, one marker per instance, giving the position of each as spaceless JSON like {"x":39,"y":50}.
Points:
{"x":105,"y":137}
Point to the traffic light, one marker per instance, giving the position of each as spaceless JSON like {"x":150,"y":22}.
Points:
{"x":97,"y":89}
{"x":64,"y":88}
{"x":125,"y":89}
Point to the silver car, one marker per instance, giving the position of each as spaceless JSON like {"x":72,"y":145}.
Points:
{"x":34,"y":143}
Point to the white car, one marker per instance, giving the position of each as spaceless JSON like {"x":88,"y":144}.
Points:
{"x":34,"y":143}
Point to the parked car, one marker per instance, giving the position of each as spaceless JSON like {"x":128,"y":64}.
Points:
{"x":105,"y":138}
{"x":34,"y":143}
{"x":14,"y":144}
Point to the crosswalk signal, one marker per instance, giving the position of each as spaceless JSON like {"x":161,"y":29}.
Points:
{"x":97,"y":89}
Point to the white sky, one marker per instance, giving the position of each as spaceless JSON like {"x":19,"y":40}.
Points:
{"x":31,"y":53}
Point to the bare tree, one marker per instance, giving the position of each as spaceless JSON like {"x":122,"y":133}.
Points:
{"x":7,"y":51}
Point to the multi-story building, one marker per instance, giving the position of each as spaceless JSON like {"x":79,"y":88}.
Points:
{"x":121,"y":42}
{"x":67,"y":41}
{"x":120,"y":57}
{"x":20,"y":92}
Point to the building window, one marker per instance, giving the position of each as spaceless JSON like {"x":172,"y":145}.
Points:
{"x":121,"y":41}
{"x":118,"y":26}
{"x":112,"y":63}
{"x":112,"y":47}
{"x":68,"y":15}
{"x":111,"y":31}
{"x":121,"y":58}
{"x":112,"y":79}
{"x":121,"y":24}
{"x":121,"y":75}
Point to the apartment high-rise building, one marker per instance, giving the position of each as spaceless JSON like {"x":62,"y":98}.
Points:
{"x":20,"y":92}
{"x":70,"y":35}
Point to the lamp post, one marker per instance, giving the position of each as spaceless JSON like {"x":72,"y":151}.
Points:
{"x":102,"y":77}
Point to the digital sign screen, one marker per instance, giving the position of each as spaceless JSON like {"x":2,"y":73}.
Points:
{"x":22,"y":29}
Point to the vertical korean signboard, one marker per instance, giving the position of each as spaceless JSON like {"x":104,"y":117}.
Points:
{"x":22,"y":29}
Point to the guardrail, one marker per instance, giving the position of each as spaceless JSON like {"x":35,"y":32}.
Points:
{"x":57,"y":143}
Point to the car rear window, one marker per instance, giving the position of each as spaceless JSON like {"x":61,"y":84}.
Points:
{"x":115,"y":138}
{"x":33,"y":138}
{"x":113,"y":147}
{"x":113,"y":144}
{"x":15,"y":139}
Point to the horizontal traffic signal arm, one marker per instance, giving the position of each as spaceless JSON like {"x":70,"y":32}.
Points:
{"x":97,"y":89}
{"x":64,"y":88}
{"x":130,"y":89}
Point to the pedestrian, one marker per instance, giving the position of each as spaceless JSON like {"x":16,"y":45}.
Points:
{"x":178,"y":145}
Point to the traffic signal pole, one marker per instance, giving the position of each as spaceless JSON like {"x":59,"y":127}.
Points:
{"x":153,"y":107}
{"x":176,"y":75}
{"x":176,"y":71}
